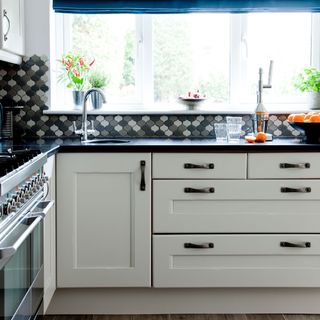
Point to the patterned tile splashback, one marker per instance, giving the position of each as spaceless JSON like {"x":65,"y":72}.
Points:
{"x":28,"y":85}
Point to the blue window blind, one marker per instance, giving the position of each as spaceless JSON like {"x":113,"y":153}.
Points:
{"x":184,"y":6}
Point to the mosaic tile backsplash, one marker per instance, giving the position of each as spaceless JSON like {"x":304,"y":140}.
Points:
{"x":28,"y":85}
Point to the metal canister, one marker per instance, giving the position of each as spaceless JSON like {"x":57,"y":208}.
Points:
{"x":260,"y":122}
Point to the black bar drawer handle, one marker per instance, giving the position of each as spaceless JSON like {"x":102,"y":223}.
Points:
{"x":143,"y":180}
{"x":297,"y":190}
{"x":203,"y":190}
{"x":295,"y":165}
{"x":190,"y":245}
{"x":199,"y":166}
{"x":286,"y":244}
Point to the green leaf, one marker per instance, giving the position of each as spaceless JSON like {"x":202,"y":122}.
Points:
{"x":308,"y":80}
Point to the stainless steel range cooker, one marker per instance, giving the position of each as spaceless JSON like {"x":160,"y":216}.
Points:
{"x":23,"y":188}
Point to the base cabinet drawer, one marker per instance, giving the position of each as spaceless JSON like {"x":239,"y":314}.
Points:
{"x":236,"y":206}
{"x":284,"y":165}
{"x":283,"y":260}
{"x":199,"y":166}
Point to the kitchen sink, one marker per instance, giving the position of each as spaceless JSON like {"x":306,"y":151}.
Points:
{"x":105,"y":141}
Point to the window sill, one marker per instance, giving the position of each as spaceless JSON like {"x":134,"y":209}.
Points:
{"x":180,"y":110}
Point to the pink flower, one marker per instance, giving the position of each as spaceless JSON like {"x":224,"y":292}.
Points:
{"x":76,"y":73}
{"x":75,"y":68}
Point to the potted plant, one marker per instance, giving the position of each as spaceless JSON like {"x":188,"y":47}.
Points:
{"x":97,"y":79}
{"x":309,"y":81}
{"x":75,"y":71}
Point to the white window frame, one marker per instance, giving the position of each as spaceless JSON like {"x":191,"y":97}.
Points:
{"x":144,"y":66}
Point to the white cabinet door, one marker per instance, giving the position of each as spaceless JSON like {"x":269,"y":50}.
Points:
{"x":12,"y":26}
{"x":104,"y":220}
{"x":50,"y":237}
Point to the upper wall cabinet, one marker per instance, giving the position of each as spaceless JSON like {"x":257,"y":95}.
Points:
{"x":12,"y":45}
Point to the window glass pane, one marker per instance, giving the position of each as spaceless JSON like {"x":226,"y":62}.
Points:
{"x":191,"y":52}
{"x":111,"y":40}
{"x":284,"y":38}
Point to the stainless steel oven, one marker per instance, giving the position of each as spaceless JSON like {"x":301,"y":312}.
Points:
{"x":21,"y":243}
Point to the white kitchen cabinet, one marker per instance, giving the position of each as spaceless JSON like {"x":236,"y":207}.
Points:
{"x":12,"y":43}
{"x":50,"y":236}
{"x":104,"y":220}
{"x":235,"y":206}
{"x":236,"y":260}
{"x":298,"y":165}
{"x":224,"y":226}
{"x":199,"y":166}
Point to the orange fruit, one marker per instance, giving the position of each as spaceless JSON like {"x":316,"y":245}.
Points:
{"x":261,"y":137}
{"x":307,"y":118}
{"x":314,"y":118}
{"x":291,"y":117}
{"x":299,"y":117}
{"x":250,"y":139}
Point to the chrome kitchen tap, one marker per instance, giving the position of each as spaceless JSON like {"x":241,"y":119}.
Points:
{"x":261,"y":116}
{"x":84,"y":126}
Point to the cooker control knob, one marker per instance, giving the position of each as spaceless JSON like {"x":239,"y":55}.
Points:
{"x":16,"y":200}
{"x":26,"y":190}
{"x":13,"y":203}
{"x":8,"y":207}
{"x":22,"y":195}
{"x":5,"y":209}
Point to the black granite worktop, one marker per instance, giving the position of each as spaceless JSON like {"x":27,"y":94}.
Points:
{"x":52,"y":146}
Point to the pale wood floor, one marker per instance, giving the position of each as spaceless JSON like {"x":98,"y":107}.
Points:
{"x":189,"y":317}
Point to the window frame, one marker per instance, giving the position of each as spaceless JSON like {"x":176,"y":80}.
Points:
{"x":143,"y":101}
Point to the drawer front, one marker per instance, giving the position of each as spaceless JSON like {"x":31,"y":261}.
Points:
{"x":236,"y":261}
{"x":248,"y":206}
{"x":284,"y":166}
{"x":199,"y":166}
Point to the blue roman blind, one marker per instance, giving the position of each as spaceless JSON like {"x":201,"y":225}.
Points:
{"x":184,"y":6}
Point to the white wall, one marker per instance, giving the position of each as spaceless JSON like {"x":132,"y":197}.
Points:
{"x":37,"y":19}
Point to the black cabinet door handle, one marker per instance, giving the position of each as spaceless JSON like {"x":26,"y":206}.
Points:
{"x":198,"y":166}
{"x":203,"y":190}
{"x":295,"y":165}
{"x":297,"y":190}
{"x":286,"y":244}
{"x":143,"y":179}
{"x":190,"y":245}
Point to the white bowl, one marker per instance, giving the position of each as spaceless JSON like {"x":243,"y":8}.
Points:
{"x":191,"y":103}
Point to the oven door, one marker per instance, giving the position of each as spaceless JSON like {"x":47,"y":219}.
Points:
{"x":21,"y":269}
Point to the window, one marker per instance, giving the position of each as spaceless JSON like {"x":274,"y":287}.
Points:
{"x":151,"y":59}
{"x":191,"y":52}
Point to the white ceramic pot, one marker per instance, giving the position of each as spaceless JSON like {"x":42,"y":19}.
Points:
{"x":314,"y":100}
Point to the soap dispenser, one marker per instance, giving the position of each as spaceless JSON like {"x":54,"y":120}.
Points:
{"x":261,"y":115}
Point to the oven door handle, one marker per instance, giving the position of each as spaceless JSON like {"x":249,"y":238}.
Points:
{"x":7,"y":252}
{"x":41,"y":209}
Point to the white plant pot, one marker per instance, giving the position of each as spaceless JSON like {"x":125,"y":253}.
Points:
{"x":314,"y":100}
